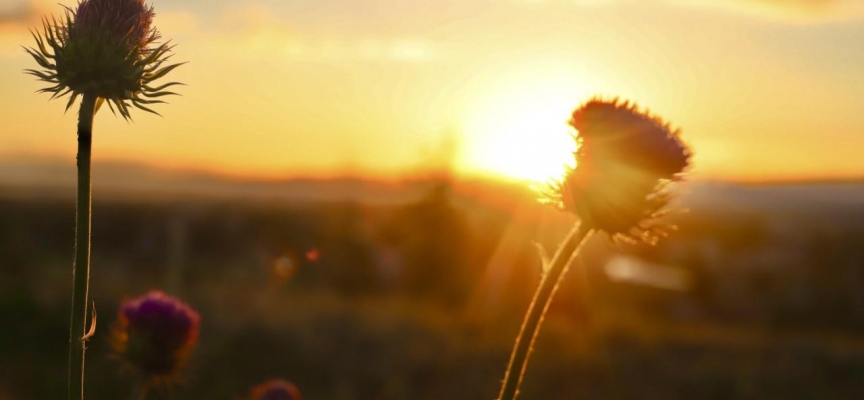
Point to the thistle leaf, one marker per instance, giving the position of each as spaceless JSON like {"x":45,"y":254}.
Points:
{"x":59,"y":95}
{"x":165,"y":86}
{"x":71,"y":101}
{"x":40,"y":59}
{"x":110,"y":107}
{"x":544,"y":257}
{"x":159,"y":94}
{"x":162,"y":72}
{"x":53,"y":89}
{"x":149,"y":63}
{"x":99,"y":102}
{"x":124,"y":110}
{"x":41,"y":44}
{"x":142,"y":107}
{"x":92,"y":331}
{"x":145,"y":101}
{"x":41,"y":75}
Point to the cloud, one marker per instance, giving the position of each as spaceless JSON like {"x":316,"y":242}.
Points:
{"x":335,"y":49}
{"x":176,"y":23}
{"x":256,"y":29}
{"x":789,"y":10}
{"x":19,"y":13}
{"x":16,"y":17}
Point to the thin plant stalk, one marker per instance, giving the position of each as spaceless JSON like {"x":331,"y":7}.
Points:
{"x":81,"y":266}
{"x":101,"y":51}
{"x":567,"y":251}
{"x":139,"y":390}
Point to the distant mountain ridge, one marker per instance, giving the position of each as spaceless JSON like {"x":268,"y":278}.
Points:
{"x":129,"y":179}
{"x":121,"y":178}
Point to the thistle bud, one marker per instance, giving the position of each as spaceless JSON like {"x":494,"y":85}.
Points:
{"x":276,"y":389}
{"x":625,"y":161}
{"x":155,"y":334}
{"x":125,"y":22}
{"x":104,"y":48}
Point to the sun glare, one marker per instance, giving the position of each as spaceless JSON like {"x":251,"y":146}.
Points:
{"x":524,"y":137}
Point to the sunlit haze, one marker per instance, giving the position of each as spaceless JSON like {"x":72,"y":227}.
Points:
{"x":384,"y":199}
{"x":763,"y":90}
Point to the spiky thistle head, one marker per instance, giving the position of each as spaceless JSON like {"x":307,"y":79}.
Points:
{"x":155,"y":334}
{"x":104,"y":48}
{"x":625,"y":161}
{"x":276,"y":389}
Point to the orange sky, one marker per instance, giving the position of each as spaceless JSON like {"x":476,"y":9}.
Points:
{"x":762,"y":89}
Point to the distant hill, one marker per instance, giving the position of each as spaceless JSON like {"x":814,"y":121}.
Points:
{"x":42,"y":177}
{"x":776,"y":196}
{"x":126,"y":179}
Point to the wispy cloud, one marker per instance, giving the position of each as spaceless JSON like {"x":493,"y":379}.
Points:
{"x":257,"y":29}
{"x":18,"y":13}
{"x":16,"y":17}
{"x":790,"y":10}
{"x":177,"y":22}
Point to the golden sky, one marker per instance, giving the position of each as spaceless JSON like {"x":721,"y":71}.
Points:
{"x":762,"y":89}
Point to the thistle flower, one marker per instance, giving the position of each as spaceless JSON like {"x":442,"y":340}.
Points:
{"x":155,"y":334}
{"x":102,"y":51}
{"x":104,"y":48}
{"x":276,"y":389}
{"x":625,"y":161}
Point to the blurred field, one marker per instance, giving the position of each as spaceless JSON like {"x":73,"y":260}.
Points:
{"x":415,"y":290}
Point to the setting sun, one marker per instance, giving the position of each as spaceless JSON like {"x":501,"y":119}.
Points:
{"x":386,"y":199}
{"x":523,"y":134}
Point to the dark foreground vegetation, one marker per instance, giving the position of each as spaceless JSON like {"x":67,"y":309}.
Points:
{"x":421,"y":298}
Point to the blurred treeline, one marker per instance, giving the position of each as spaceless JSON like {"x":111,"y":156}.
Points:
{"x":422,"y":299}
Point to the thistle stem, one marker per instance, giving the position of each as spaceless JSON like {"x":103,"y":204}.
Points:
{"x":557,"y":267}
{"x":139,"y":390}
{"x":81,"y":266}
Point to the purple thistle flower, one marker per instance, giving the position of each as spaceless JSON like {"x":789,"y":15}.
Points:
{"x":104,"y":48}
{"x":124,"y":20}
{"x":625,"y":162}
{"x":155,"y":334}
{"x":276,"y":389}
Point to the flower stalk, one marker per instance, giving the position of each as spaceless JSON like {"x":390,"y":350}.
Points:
{"x":557,"y":268}
{"x":101,"y":51}
{"x":81,"y":264}
{"x":625,"y":163}
{"x":139,"y":390}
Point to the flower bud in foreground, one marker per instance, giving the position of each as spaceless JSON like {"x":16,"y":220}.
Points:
{"x":624,"y":163}
{"x":275,"y":389}
{"x":103,"y":48}
{"x":155,"y":334}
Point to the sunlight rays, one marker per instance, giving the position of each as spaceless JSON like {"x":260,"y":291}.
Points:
{"x":521,"y":132}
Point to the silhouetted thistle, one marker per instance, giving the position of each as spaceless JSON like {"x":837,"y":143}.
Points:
{"x":104,"y":49}
{"x":276,"y":389}
{"x":101,"y":51}
{"x":625,"y":161}
{"x":154,"y":335}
